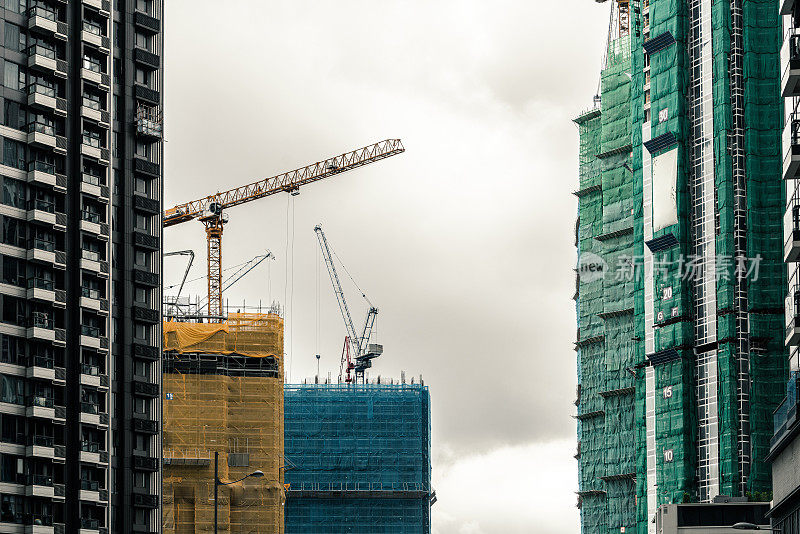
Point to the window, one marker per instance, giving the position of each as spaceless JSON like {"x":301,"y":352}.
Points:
{"x":140,"y":405}
{"x":141,"y":185}
{"x":13,"y":271}
{"x":145,"y":6}
{"x":142,"y":259}
{"x":143,"y":77}
{"x":17,"y":6}
{"x":13,"y":232}
{"x":13,"y":351}
{"x":142,"y":222}
{"x":13,"y":76}
{"x":13,"y":193}
{"x":142,"y":443}
{"x":142,"y":149}
{"x":14,"y":115}
{"x":12,"y":389}
{"x":143,"y":41}
{"x":141,"y":294}
{"x":140,"y":479}
{"x":14,"y":154}
{"x":15,"y":38}
{"x":141,"y":331}
{"x":140,"y":368}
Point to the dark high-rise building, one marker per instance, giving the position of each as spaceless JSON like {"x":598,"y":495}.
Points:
{"x":80,"y":170}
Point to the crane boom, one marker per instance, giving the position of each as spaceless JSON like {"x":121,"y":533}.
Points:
{"x":210,"y":210}
{"x":288,"y":181}
{"x":337,"y":288}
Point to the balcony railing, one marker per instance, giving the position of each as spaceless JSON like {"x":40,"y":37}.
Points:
{"x":89,"y":369}
{"x":90,"y":485}
{"x":42,"y":166}
{"x":41,"y":127}
{"x":41,"y":441}
{"x":90,"y":293}
{"x":92,"y":65}
{"x":90,"y":408}
{"x":40,"y":480}
{"x":92,"y":104}
{"x":39,"y":50}
{"x":39,"y":89}
{"x":41,"y":320}
{"x":90,"y":255}
{"x":41,"y":283}
{"x":42,"y":244}
{"x":786,"y":413}
{"x":42,"y":205}
{"x":91,"y":331}
{"x":92,"y":28}
{"x":41,"y":11}
{"x":90,"y":446}
{"x":90,"y":216}
{"x":91,"y":179}
{"x":40,"y":401}
{"x":41,"y":361}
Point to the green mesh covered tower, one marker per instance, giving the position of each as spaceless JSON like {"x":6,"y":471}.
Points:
{"x":680,"y":281}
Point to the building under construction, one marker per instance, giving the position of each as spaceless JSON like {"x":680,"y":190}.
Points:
{"x":680,"y":282}
{"x":223,"y":390}
{"x":358,"y":458}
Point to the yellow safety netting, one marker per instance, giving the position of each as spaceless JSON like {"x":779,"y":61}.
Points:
{"x":249,"y":334}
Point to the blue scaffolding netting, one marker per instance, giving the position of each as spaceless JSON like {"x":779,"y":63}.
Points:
{"x":358,"y":458}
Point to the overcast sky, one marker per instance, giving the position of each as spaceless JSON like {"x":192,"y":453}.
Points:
{"x":464,"y":242}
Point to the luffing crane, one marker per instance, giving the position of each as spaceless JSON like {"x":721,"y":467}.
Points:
{"x":210,"y":210}
{"x":358,"y":346}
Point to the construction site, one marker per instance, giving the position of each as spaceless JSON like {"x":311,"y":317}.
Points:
{"x":244,"y":452}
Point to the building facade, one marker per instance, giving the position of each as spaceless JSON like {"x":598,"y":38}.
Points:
{"x":357,"y":458}
{"x":680,"y":340}
{"x":80,"y":292}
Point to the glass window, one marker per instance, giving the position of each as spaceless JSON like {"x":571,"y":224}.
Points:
{"x":13,"y":232}
{"x":142,"y":222}
{"x":15,"y":38}
{"x":14,"y":115}
{"x":17,"y":6}
{"x":141,"y":186}
{"x":145,"y":6}
{"x":140,"y":331}
{"x":142,"y":149}
{"x":13,"y":76}
{"x":12,"y":389}
{"x":143,"y":77}
{"x":13,"y":154}
{"x":142,"y":259}
{"x":13,"y":193}
{"x":143,"y":40}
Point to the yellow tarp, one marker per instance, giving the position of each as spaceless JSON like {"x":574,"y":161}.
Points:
{"x":250,"y":334}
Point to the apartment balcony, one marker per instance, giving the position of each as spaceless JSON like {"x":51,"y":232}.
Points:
{"x":145,"y":94}
{"x":145,"y":500}
{"x":92,"y":110}
{"x":41,"y":328}
{"x":145,"y":240}
{"x":792,"y":311}
{"x":146,"y":23}
{"x":44,"y":529}
{"x":146,"y":389}
{"x":41,"y":407}
{"x":93,"y":223}
{"x":91,"y":337}
{"x":93,"y":34}
{"x":791,"y":231}
{"x":149,"y":123}
{"x":41,"y":211}
{"x":43,"y":368}
{"x":95,"y":151}
{"x":95,"y":187}
{"x":93,"y":73}
{"x":44,"y":290}
{"x":91,"y":453}
{"x":790,"y":62}
{"x":45,"y":174}
{"x":145,"y":315}
{"x":91,"y":414}
{"x":786,"y":6}
{"x":43,"y":20}
{"x":40,"y":447}
{"x":44,"y":252}
{"x":44,"y":98}
{"x":144,"y":424}
{"x":91,"y":299}
{"x":145,"y":463}
{"x":104,"y":6}
{"x":44,"y":60}
{"x":145,"y":352}
{"x":146,"y":58}
{"x":91,"y":376}
{"x":40,"y":486}
{"x":44,"y":136}
{"x":92,"y":261}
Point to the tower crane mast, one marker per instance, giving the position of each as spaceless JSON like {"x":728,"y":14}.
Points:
{"x":210,"y":210}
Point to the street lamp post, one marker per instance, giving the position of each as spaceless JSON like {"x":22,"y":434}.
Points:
{"x":218,"y":483}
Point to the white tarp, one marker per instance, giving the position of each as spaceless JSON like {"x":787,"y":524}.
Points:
{"x":665,"y":190}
